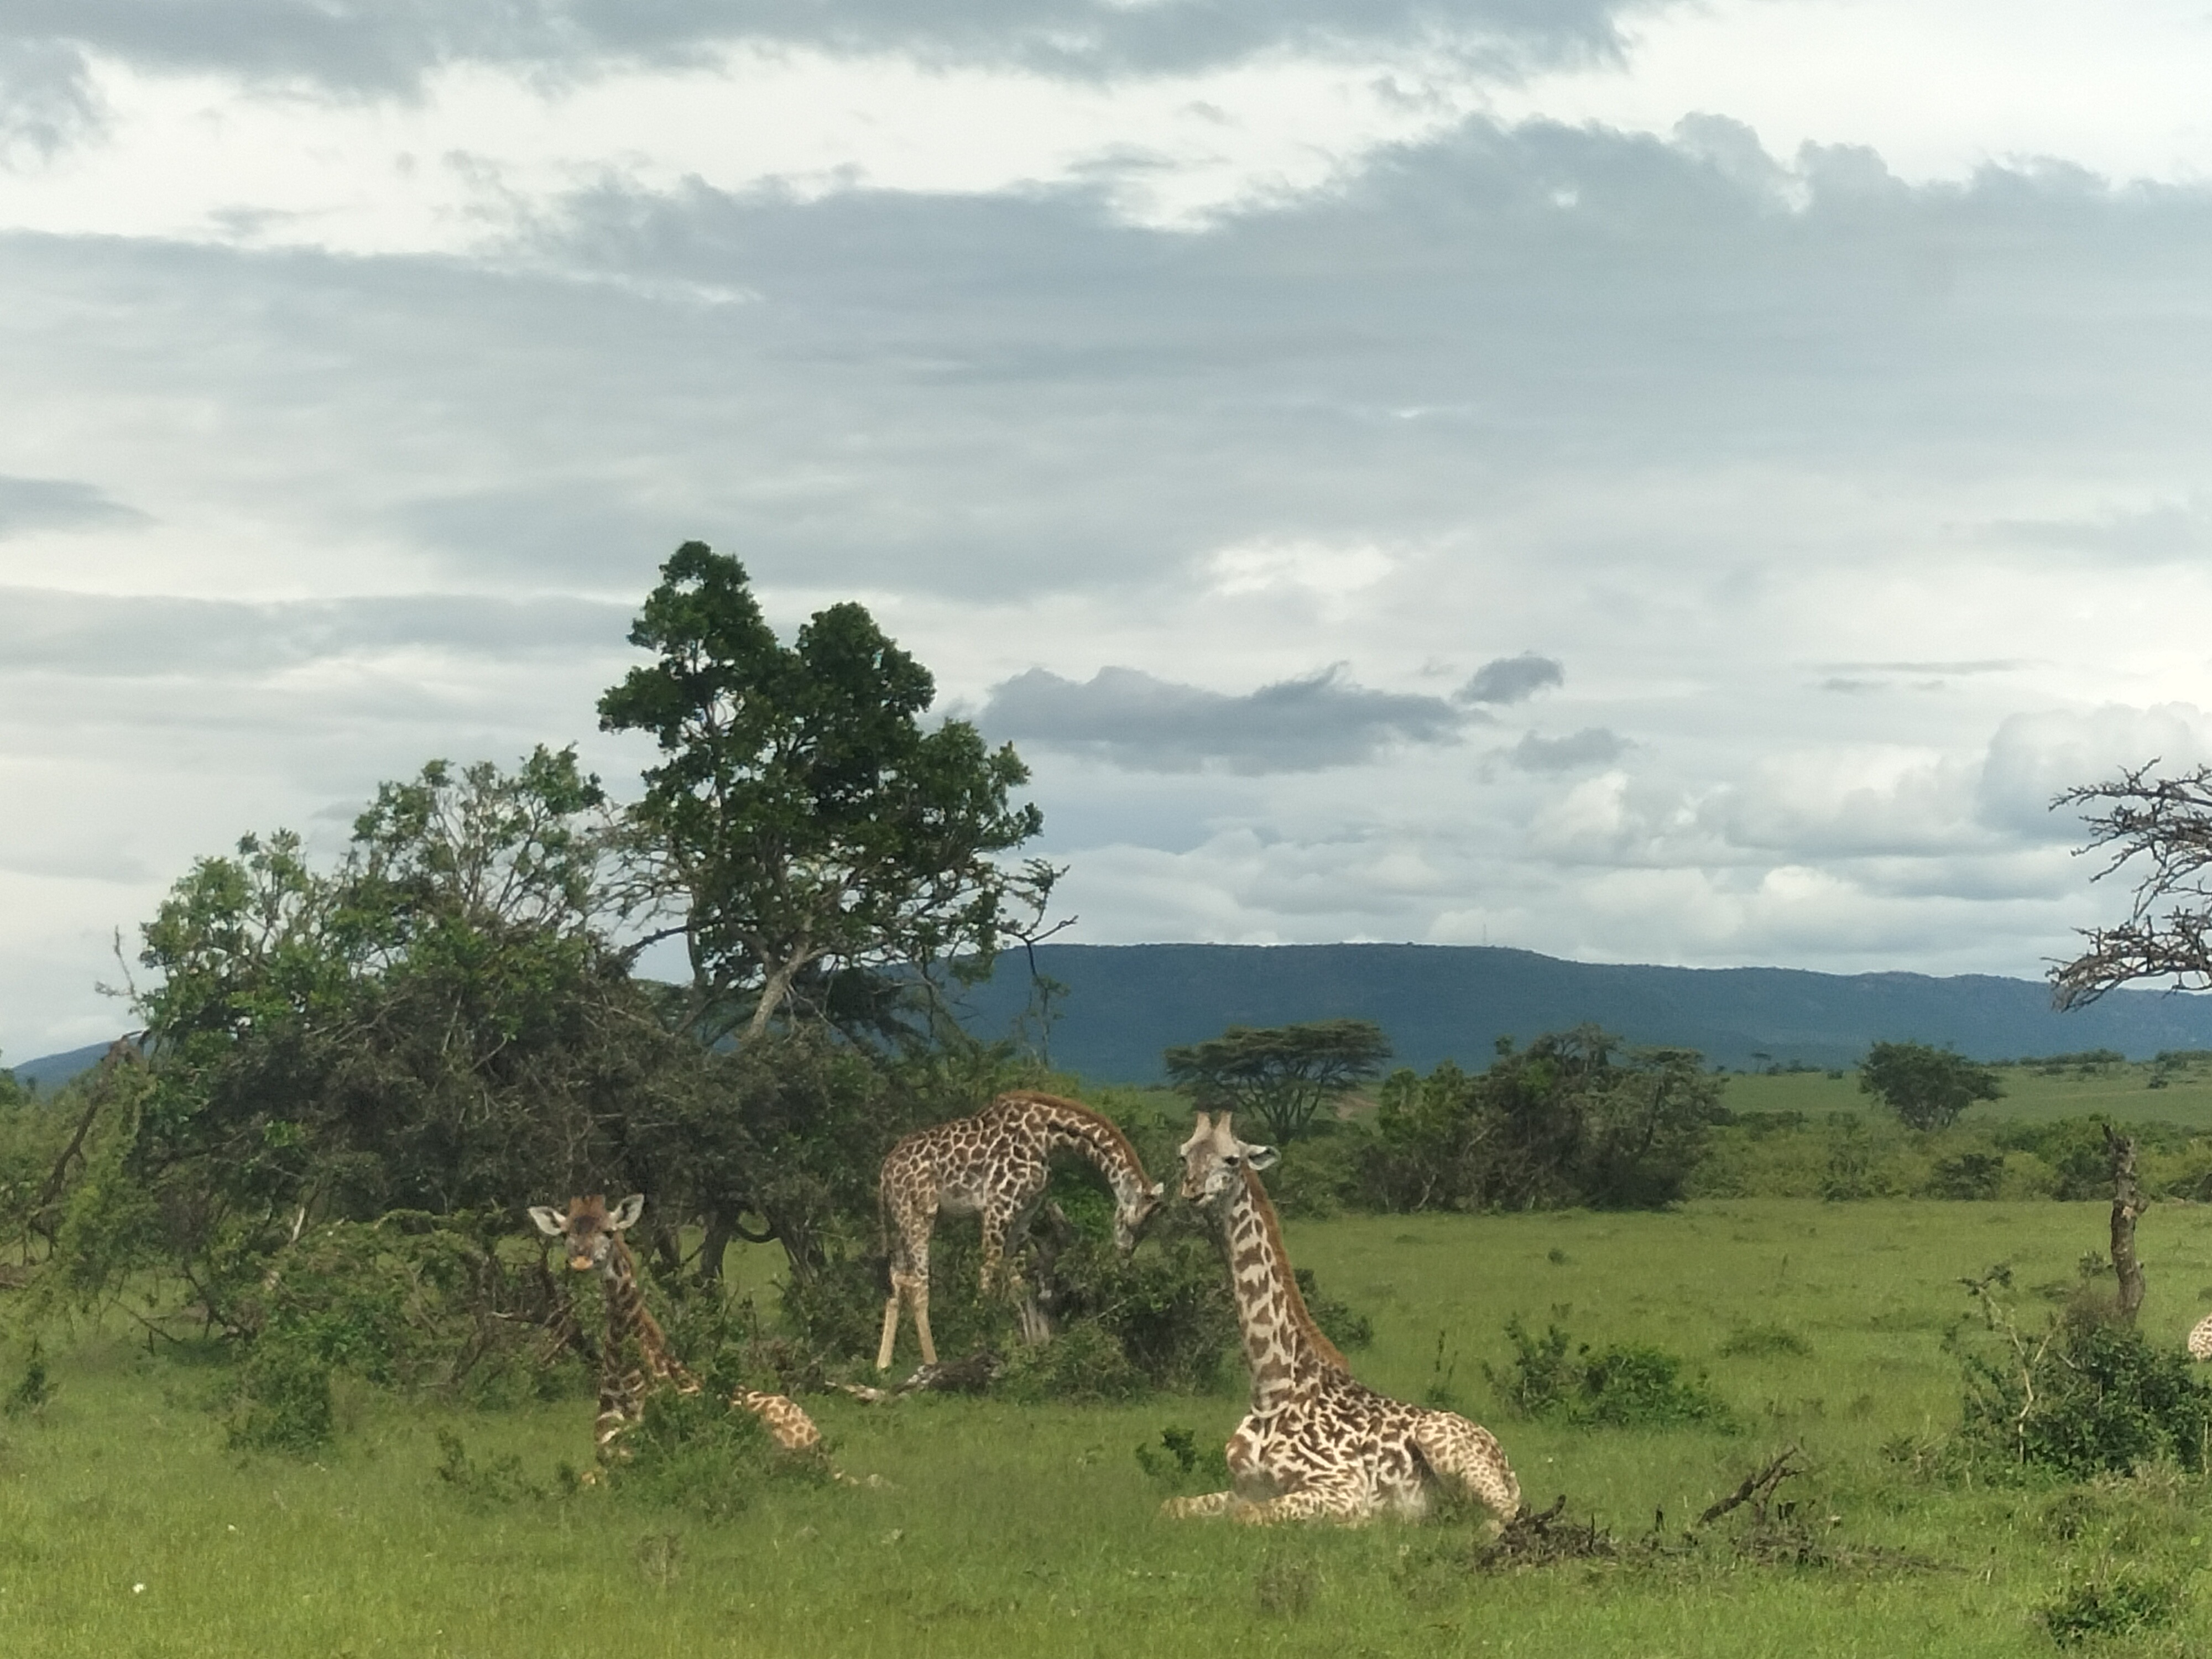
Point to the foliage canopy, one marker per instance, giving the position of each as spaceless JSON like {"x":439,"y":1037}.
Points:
{"x":1283,"y":1075}
{"x":1927,"y":1088}
{"x":1574,"y":1118}
{"x":808,"y":824}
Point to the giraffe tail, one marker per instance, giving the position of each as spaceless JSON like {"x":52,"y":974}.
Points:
{"x":1466,"y":1456}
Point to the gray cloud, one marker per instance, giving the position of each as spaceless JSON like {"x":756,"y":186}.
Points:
{"x":1134,"y":721}
{"x":376,"y":44}
{"x":2170,"y":531}
{"x":1511,"y":679}
{"x":108,"y":637}
{"x":46,"y":100}
{"x":1591,"y":746}
{"x":1969,"y":665}
{"x":28,"y":504}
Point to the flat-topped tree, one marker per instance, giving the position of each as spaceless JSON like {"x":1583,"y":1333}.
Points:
{"x":1281,"y":1074}
{"x":1926,"y":1087}
{"x":809,"y":825}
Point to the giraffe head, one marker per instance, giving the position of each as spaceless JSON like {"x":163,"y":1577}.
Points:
{"x":1214,"y":1161}
{"x":1133,"y":1207}
{"x":587,"y":1226}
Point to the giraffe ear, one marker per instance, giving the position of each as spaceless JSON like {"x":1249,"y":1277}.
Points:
{"x":550,"y":1221}
{"x":1260,"y":1157}
{"x":627,"y":1212}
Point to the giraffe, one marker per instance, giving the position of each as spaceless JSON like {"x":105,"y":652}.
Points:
{"x":2200,"y":1339}
{"x":1317,"y":1443}
{"x":593,"y":1234}
{"x":995,"y":1164}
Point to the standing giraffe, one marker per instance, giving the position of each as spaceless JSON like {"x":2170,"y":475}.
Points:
{"x":995,"y":1164}
{"x":1316,"y":1443}
{"x":593,"y":1233}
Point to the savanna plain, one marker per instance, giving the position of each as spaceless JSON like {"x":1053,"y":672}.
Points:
{"x":129,"y":1526}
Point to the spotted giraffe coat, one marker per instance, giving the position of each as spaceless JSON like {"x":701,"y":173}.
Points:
{"x":636,"y":1355}
{"x":994,"y":1165}
{"x":1317,"y":1441}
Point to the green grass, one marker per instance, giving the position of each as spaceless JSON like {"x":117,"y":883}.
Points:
{"x":2122,"y":1092}
{"x":1010,"y":1530}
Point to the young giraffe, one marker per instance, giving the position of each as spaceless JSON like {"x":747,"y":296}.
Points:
{"x":1316,"y":1443}
{"x":593,"y":1233}
{"x":995,"y":1164}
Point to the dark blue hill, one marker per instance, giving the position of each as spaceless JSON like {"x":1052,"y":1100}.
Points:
{"x":1126,"y":1002}
{"x":49,"y":1071}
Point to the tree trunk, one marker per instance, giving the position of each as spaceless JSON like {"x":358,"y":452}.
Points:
{"x":711,"y":1248}
{"x":2127,"y":1205}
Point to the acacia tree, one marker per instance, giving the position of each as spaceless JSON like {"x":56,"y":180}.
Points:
{"x":811,"y":830}
{"x":2159,"y":830}
{"x":1283,"y":1075}
{"x":1926,"y":1087}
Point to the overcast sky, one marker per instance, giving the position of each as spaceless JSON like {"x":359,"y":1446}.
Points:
{"x":1643,"y":482}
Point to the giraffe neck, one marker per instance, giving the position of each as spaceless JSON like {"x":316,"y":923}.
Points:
{"x":1284,"y":1347}
{"x":627,"y":1317}
{"x":1097,"y":1140}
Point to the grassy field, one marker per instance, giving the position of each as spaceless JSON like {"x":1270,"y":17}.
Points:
{"x":127,"y":1529}
{"x":2122,"y":1092}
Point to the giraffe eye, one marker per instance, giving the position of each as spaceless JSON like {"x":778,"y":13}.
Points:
{"x":1230,"y":1160}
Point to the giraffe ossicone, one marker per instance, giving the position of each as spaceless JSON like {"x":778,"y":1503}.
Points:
{"x":1318,"y":1443}
{"x":994,"y":1165}
{"x":592,"y":1235}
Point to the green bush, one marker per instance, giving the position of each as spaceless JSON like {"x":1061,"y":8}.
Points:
{"x":693,"y":1452}
{"x":2087,"y":1397}
{"x":1159,"y":1319}
{"x":1082,"y":1363}
{"x":1627,"y":1385}
{"x":1966,"y":1175}
{"x":283,"y":1402}
{"x":2110,"y":1604}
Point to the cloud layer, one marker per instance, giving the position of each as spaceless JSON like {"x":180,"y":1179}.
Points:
{"x":1720,"y":550}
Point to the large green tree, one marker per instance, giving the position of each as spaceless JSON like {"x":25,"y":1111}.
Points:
{"x":811,"y":828}
{"x":1284,"y":1074}
{"x":438,"y":1022}
{"x":1926,"y":1087}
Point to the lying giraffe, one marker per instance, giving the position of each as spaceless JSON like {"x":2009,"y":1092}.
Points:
{"x":996,"y":1164}
{"x":1316,"y":1443}
{"x":593,"y":1233}
{"x":2200,"y":1339}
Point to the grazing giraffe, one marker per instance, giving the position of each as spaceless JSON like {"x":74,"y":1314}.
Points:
{"x":1316,"y":1444}
{"x":994,"y":1165}
{"x":2200,"y":1339}
{"x":593,"y":1234}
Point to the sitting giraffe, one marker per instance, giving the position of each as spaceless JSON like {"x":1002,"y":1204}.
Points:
{"x":593,"y":1233}
{"x":995,"y":1164}
{"x":1316,"y":1443}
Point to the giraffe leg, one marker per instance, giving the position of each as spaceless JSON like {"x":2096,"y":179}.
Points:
{"x":1322,"y":1501}
{"x":1467,"y":1455}
{"x":891,"y":1331}
{"x":918,"y":1289}
{"x":1203,"y":1506}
